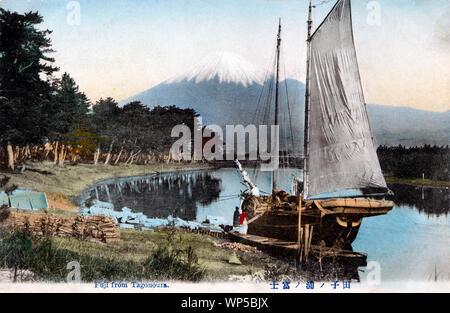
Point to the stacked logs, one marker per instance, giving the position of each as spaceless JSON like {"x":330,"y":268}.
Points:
{"x":96,"y":228}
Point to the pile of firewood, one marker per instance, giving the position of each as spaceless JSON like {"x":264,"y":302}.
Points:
{"x":96,"y":228}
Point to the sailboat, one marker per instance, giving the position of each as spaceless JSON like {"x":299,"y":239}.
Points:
{"x":339,"y":151}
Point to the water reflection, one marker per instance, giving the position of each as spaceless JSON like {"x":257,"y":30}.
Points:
{"x":430,"y":200}
{"x":193,"y":195}
{"x":157,"y":196}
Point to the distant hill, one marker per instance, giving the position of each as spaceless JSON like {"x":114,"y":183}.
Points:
{"x":226,"y":89}
{"x":407,"y":126}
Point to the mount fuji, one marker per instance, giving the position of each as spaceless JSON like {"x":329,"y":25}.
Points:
{"x":227,"y":67}
{"x":225,"y":89}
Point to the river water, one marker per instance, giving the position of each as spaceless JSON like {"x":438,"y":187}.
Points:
{"x":410,"y":243}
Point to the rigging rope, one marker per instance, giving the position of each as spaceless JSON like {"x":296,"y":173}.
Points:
{"x":289,"y":109}
{"x":262,"y":115}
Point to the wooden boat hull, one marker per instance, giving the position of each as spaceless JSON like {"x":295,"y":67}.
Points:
{"x":330,"y":222}
{"x":289,"y":249}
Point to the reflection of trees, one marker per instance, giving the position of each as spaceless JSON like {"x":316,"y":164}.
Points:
{"x":431,"y":161}
{"x":435,"y":200}
{"x":159,"y":196}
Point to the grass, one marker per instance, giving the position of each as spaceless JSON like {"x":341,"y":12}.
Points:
{"x":136,"y":246}
{"x":144,"y":255}
{"x":418,"y":181}
{"x":51,"y":211}
{"x":48,"y":263}
{"x":71,"y":180}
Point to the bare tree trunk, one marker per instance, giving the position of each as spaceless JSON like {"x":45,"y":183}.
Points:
{"x":96,"y":156}
{"x":17,"y":153}
{"x":129,"y":158}
{"x":56,"y":152}
{"x":10,"y":151}
{"x":132,"y":156}
{"x":65,"y":153}
{"x":74,"y":156}
{"x":47,"y":150}
{"x":62,"y":155}
{"x":118,"y":157}
{"x":108,"y":157}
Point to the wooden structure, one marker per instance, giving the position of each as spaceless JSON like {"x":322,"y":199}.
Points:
{"x":289,"y":249}
{"x":330,"y":222}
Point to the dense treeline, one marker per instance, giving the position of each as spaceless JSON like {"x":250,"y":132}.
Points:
{"x":43,"y":117}
{"x":413,"y":162}
{"x":134,"y":129}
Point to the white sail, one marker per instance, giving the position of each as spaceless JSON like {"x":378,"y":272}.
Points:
{"x":341,"y":153}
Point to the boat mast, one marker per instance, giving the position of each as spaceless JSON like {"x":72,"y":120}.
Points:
{"x":307,"y":103}
{"x":274,"y":180}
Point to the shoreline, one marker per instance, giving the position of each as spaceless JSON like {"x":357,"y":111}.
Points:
{"x":71,"y":180}
{"x":62,"y":184}
{"x":418,"y":182}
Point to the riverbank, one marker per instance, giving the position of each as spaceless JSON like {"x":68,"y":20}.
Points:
{"x":218,"y":263}
{"x":418,"y":182}
{"x":210,"y":259}
{"x":61,"y":182}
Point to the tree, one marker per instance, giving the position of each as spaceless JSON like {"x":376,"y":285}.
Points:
{"x":71,"y":104}
{"x":103,"y":122}
{"x":135,"y":128}
{"x":23,"y":92}
{"x":81,"y":140}
{"x":150,"y":129}
{"x":69,"y":108}
{"x":429,"y":161}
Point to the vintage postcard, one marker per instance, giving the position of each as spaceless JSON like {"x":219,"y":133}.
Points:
{"x":224,"y":146}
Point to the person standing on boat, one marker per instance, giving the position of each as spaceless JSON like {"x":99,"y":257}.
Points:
{"x":236,"y":218}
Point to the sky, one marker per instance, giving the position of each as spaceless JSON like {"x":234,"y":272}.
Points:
{"x":119,"y":48}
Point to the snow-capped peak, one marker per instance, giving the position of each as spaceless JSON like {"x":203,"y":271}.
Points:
{"x":226,"y":66}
